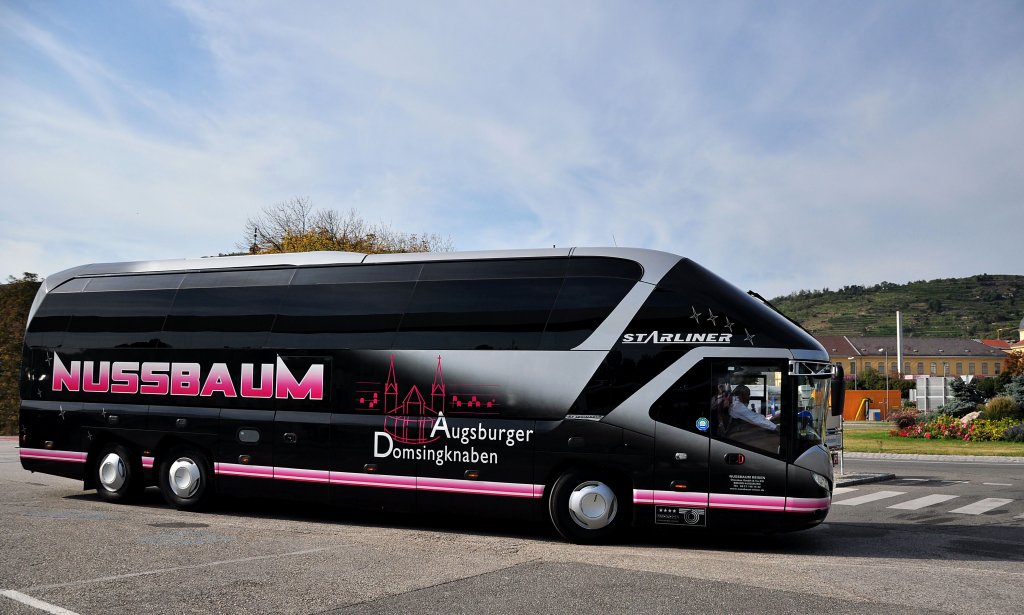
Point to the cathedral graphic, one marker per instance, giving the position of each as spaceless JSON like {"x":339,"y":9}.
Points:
{"x":410,"y":417}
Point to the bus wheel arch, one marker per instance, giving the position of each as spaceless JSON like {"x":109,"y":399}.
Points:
{"x":589,"y":505}
{"x":185,"y":476}
{"x":115,"y":471}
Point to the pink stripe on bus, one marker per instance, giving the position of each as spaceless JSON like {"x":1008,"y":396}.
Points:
{"x":807,"y":505}
{"x":670,"y":498}
{"x":50,"y":455}
{"x":354,"y":479}
{"x":451,"y":485}
{"x":237,"y":469}
{"x":305,"y":476}
{"x":748,"y":502}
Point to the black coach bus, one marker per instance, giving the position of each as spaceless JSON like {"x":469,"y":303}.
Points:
{"x":604,"y":387}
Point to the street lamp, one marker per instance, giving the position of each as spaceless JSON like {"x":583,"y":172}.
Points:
{"x":886,"y":365}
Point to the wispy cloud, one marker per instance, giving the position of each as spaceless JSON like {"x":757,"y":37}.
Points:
{"x":786,"y":147}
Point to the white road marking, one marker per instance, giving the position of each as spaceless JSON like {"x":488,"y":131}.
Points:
{"x":36,"y":603}
{"x":998,"y":484}
{"x":870,"y":497}
{"x":131,"y":575}
{"x":928,"y":500}
{"x":839,"y":490}
{"x":981,"y":506}
{"x":922,"y":480}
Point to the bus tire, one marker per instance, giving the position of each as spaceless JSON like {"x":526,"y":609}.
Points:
{"x":186,"y":478}
{"x":586,"y":508}
{"x":117,"y":473}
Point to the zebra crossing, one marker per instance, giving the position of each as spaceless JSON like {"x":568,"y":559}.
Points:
{"x":944,"y":502}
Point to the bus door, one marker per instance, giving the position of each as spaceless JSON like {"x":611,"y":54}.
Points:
{"x":747,"y":462}
{"x":302,"y":437}
{"x":681,"y":449}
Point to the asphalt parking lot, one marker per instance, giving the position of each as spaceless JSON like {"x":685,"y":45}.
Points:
{"x":64,"y":547}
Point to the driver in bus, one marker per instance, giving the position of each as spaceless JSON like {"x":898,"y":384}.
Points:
{"x":740,"y":409}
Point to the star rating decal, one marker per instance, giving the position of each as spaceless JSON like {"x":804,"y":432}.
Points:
{"x":707,"y":315}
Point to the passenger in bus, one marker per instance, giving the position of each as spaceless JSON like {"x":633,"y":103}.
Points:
{"x":740,"y":409}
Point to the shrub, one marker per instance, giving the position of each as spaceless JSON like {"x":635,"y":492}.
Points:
{"x":904,"y":418}
{"x":1014,"y":434}
{"x":950,"y":428}
{"x":1003,"y":407}
{"x":986,"y":430}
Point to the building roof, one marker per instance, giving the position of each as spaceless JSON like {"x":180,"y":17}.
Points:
{"x":1000,"y":344}
{"x":836,"y":345}
{"x":875,"y":346}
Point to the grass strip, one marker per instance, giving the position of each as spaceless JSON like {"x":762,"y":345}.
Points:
{"x":878,"y":440}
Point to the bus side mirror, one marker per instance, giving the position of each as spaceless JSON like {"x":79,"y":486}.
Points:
{"x":838,"y":391}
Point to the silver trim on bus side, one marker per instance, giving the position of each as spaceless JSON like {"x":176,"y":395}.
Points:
{"x":610,"y":330}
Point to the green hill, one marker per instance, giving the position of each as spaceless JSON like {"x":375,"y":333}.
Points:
{"x":975,"y":307}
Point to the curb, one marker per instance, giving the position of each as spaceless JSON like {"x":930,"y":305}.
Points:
{"x":848,"y":480}
{"x":915,"y":457}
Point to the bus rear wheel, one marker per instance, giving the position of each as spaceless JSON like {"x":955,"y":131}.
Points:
{"x":118,"y":474}
{"x":186,"y":478}
{"x":586,"y":509}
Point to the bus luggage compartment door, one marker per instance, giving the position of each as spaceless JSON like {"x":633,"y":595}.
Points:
{"x":680,"y":494}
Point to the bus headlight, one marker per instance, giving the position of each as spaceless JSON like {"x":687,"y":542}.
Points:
{"x":822,"y":481}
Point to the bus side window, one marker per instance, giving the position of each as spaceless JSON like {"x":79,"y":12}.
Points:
{"x":684,"y":404}
{"x":746,"y":404}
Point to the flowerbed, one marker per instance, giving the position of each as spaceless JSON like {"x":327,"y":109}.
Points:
{"x":952,"y":428}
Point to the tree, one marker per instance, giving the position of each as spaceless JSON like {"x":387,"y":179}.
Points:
{"x":295,"y":226}
{"x":15,"y":300}
{"x":1015,"y":389}
{"x":966,"y":398}
{"x":1015,"y":363}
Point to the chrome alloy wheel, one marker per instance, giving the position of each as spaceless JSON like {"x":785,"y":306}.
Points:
{"x":184,"y":477}
{"x":592,"y":505}
{"x":112,"y":472}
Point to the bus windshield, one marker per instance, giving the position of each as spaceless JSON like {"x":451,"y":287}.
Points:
{"x":812,"y":381}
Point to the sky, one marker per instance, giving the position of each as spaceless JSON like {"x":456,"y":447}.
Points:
{"x":785,"y":146}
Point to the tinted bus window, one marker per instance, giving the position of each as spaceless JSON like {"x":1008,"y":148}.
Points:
{"x":50,"y":321}
{"x":225,"y":309}
{"x":582,"y":305}
{"x":478,"y":314}
{"x":604,"y":267}
{"x":117,"y":319}
{"x":476,"y":270}
{"x":135,"y":282}
{"x":356,"y":273}
{"x":357,"y":315}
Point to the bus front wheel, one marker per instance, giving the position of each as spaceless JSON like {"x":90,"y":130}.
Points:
{"x":186,"y":478}
{"x":118,"y":474}
{"x":585,"y":508}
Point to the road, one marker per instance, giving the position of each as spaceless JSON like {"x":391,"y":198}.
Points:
{"x":65,"y":547}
